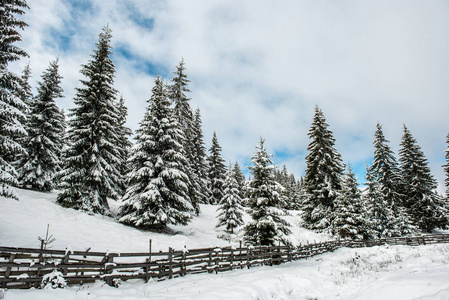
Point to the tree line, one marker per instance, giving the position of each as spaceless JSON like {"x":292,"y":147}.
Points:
{"x":166,"y":174}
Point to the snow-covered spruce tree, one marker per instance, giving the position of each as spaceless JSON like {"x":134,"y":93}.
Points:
{"x":379,"y":215}
{"x":446,"y":168}
{"x":44,"y":142}
{"x":322,"y":180}
{"x":263,"y":197}
{"x":184,"y":115}
{"x":240,"y":178}
{"x":384,"y":170}
{"x":157,"y":193}
{"x":230,"y":211}
{"x":424,"y":205}
{"x":26,"y":94}
{"x":91,"y":168}
{"x":295,"y":193}
{"x":290,"y":193}
{"x":125,"y":144}
{"x":349,"y":214}
{"x":217,"y":171}
{"x":199,"y":163}
{"x":11,"y":105}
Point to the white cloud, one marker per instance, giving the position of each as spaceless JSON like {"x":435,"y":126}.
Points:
{"x":258,"y":68}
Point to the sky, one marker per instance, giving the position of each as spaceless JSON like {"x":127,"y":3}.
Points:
{"x":259,"y":68}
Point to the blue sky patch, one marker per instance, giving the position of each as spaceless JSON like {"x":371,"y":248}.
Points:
{"x":138,"y":18}
{"x":138,"y":63}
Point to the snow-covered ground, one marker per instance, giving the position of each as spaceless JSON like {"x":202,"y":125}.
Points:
{"x":394,"y":272}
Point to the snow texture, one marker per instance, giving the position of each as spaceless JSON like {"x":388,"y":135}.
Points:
{"x":378,"y":273}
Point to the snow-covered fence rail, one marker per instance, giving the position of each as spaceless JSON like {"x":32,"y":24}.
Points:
{"x":26,"y":267}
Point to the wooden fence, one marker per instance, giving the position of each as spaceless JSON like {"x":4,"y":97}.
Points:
{"x":26,"y":267}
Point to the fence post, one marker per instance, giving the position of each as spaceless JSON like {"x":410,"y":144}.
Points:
{"x":248,"y":257}
{"x":240,"y":254}
{"x":8,"y":269}
{"x":183,"y":262}
{"x":147,"y":269}
{"x":217,"y":258}
{"x":270,"y":250}
{"x":170,"y":262}
{"x":109,"y":259}
{"x":231,"y":266}
{"x":65,"y":261}
{"x":209,"y":263}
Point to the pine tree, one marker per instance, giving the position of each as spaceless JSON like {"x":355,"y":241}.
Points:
{"x":294,"y":193}
{"x":349,"y":215}
{"x":199,"y":164}
{"x":157,"y":193}
{"x":384,"y":170}
{"x":230,"y":212}
{"x":184,"y":115}
{"x":45,"y":137}
{"x":91,"y":170}
{"x":217,"y":171}
{"x":290,"y":193}
{"x":421,"y":200}
{"x":124,"y":143}
{"x":267,"y":226}
{"x":240,"y":178}
{"x":380,"y":216}
{"x":322,"y":181}
{"x":446,"y":168}
{"x":11,"y":105}
{"x":26,"y":94}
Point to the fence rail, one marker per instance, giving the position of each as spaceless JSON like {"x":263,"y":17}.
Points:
{"x":26,"y":267}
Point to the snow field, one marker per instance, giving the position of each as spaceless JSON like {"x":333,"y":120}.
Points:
{"x":393,"y":272}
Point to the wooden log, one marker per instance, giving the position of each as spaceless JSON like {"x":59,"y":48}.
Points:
{"x":170,"y":262}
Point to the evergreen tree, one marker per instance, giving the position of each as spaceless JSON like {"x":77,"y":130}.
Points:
{"x":322,"y":181}
{"x":446,"y":168}
{"x":267,"y":226}
{"x":45,"y":137}
{"x":349,"y":215}
{"x":157,"y":193}
{"x":380,"y":216}
{"x":217,"y":171}
{"x":124,"y":143}
{"x":177,"y":91}
{"x":290,"y":192}
{"x":421,"y":200}
{"x":91,"y":170}
{"x":199,"y":164}
{"x":11,"y":105}
{"x":184,"y":115}
{"x":240,"y":179}
{"x":230,"y":211}
{"x":294,"y":193}
{"x":384,"y":170}
{"x":26,"y":94}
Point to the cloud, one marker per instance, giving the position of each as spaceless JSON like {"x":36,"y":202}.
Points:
{"x":259,"y":68}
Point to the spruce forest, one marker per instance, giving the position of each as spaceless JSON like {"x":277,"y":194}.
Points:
{"x":161,"y":173}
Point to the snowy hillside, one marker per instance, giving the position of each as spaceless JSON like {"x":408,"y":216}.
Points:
{"x":398,"y":272}
{"x":23,"y":221}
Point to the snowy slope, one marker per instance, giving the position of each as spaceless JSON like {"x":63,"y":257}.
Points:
{"x":21,"y":222}
{"x":397,"y":272}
